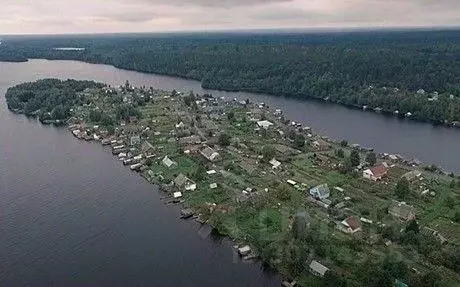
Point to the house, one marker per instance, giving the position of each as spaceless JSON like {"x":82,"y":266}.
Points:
{"x":180,"y":125}
{"x":210,"y":125}
{"x":147,"y":147}
{"x":320,"y":145}
{"x":213,"y":186}
{"x":320,"y":192}
{"x":135,"y":140}
{"x":317,"y":268}
{"x":412,"y":175}
{"x":350,"y":225}
{"x":402,"y":211}
{"x":420,"y":92}
{"x":375,"y":173}
{"x":168,"y":162}
{"x":184,"y":183}
{"x":264,"y":124}
{"x":209,"y":153}
{"x":275,"y":164}
{"x":190,"y":140}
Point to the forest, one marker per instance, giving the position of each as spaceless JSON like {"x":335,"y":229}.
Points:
{"x":49,"y":99}
{"x":415,"y":73}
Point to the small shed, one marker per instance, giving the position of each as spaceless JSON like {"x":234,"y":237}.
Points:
{"x":318,"y":269}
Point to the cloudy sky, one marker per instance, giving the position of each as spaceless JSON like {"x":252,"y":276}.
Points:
{"x":98,"y":16}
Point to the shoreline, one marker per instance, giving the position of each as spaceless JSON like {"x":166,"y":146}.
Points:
{"x":375,"y":110}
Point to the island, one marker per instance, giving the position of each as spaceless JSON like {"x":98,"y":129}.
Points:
{"x":321,"y":212}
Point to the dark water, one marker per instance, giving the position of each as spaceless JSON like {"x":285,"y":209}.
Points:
{"x":71,"y":215}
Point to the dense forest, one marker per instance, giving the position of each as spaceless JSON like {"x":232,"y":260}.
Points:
{"x":49,"y":99}
{"x":382,"y":70}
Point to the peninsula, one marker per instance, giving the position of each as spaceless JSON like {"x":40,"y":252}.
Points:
{"x":322,"y":212}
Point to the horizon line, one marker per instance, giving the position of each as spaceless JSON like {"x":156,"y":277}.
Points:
{"x":259,"y":30}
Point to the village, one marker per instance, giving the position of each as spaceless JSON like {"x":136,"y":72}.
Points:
{"x":273,"y":185}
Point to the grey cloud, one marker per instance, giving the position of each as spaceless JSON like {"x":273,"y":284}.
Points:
{"x":287,"y":15}
{"x":67,"y":16}
{"x":132,"y":17}
{"x":213,"y":3}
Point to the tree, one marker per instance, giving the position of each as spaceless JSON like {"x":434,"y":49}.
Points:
{"x":430,"y":279}
{"x":332,"y":279}
{"x":340,"y":153}
{"x":457,"y":216}
{"x":355,"y":159}
{"x":95,"y":116}
{"x":344,"y":143}
{"x":268,"y":152}
{"x":402,"y":189}
{"x":231,"y":116}
{"x":282,"y":192}
{"x":371,"y":158}
{"x":107,"y":120}
{"x":199,"y":172}
{"x":300,"y":225}
{"x":299,"y":141}
{"x":224,"y":139}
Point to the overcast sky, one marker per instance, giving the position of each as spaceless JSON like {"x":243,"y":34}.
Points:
{"x":98,"y":16}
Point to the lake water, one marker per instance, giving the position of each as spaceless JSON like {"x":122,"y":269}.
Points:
{"x":71,"y":215}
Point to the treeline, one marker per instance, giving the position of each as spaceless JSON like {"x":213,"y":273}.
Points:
{"x":50,"y":99}
{"x":339,"y":67}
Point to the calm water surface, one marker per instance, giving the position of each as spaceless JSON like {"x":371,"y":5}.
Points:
{"x":70,"y":214}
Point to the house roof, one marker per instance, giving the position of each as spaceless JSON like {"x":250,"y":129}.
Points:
{"x":275,"y":163}
{"x":321,"y":190}
{"x":146,"y":146}
{"x":208,"y":152}
{"x":168,"y":162}
{"x":318,"y":267}
{"x":352,"y":223}
{"x":411,"y":175}
{"x":181,"y":180}
{"x":401,"y":209}
{"x":379,"y":170}
{"x":193,"y":139}
{"x":264,"y":124}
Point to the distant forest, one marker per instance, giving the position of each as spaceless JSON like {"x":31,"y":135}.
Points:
{"x":379,"y":69}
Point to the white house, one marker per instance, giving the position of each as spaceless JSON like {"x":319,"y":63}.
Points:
{"x":275,"y":164}
{"x":168,"y":162}
{"x":264,"y":124}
